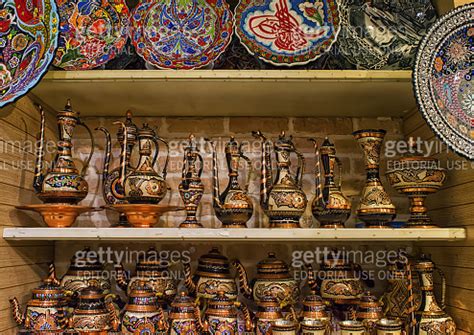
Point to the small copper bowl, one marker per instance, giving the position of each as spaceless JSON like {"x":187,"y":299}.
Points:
{"x":58,"y":215}
{"x":144,"y":215}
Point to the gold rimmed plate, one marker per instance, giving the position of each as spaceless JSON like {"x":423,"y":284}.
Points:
{"x":58,"y":215}
{"x":144,"y":215}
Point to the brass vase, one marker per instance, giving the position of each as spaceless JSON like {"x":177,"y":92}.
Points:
{"x":375,"y":208}
{"x":191,"y":187}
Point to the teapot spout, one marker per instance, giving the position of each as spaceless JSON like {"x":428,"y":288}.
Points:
{"x":245,"y":288}
{"x":188,"y":282}
{"x":17,"y":314}
{"x":113,"y":315}
{"x":52,"y":275}
{"x":39,"y":176}
{"x":216,"y":201}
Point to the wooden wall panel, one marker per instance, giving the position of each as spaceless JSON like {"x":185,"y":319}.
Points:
{"x":452,"y":206}
{"x":24,"y":264}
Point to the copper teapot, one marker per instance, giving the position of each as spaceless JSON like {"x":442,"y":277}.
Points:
{"x":282,"y":198}
{"x":144,"y":185}
{"x":369,"y":311}
{"x":184,"y":316}
{"x":154,"y":272}
{"x":220,"y":316}
{"x":62,"y":183}
{"x":269,"y":311}
{"x":233,"y":206}
{"x":95,"y":314}
{"x":273,"y":278}
{"x":46,"y":311}
{"x":112,"y":190}
{"x":212,"y":276}
{"x":315,"y":309}
{"x":143,"y":313}
{"x":330,"y":207}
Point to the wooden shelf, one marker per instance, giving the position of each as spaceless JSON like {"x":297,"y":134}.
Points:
{"x":230,"y":92}
{"x":242,"y":235}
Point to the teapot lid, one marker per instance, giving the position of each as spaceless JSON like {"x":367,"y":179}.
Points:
{"x":327,"y":147}
{"x":132,"y":130}
{"x":313,"y":300}
{"x":68,"y":111}
{"x":232,"y":147}
{"x":268,"y":307}
{"x":284,"y":142}
{"x":425,"y":263}
{"x":48,"y":290}
{"x":89,"y":262}
{"x":142,"y":295}
{"x":213,"y":264}
{"x":271,"y":266}
{"x":91,"y":293}
{"x":221,"y":304}
{"x":146,"y":131}
{"x":151,"y":262}
{"x":369,"y":299}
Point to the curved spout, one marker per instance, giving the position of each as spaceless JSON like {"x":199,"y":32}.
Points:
{"x":317,"y":172}
{"x":113,"y":315}
{"x":312,"y":279}
{"x":163,"y":325}
{"x":38,"y":178}
{"x":52,"y":275}
{"x":17,"y":314}
{"x":215,"y":176}
{"x":266,"y":176}
{"x":249,"y":326}
{"x":122,"y":280}
{"x":245,"y":288}
{"x":189,"y":283}
{"x":108,"y":153}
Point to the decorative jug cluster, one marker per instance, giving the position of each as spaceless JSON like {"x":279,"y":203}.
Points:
{"x":112,"y":189}
{"x":273,"y":278}
{"x":417,"y":176}
{"x":191,"y":187}
{"x":143,"y":313}
{"x":62,"y":183}
{"x":144,"y":185}
{"x":431,"y":317}
{"x":154,"y":273}
{"x":330,"y":207}
{"x":212,"y":276}
{"x":282,"y":198}
{"x":375,"y":208}
{"x":233,"y":207}
{"x":95,"y":314}
{"x":46,"y":311}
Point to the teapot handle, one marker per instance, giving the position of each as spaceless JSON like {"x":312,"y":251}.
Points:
{"x":201,"y":164}
{"x":249,"y":171}
{"x":300,"y":169}
{"x":443,"y":288}
{"x":165,"y":167}
{"x":87,"y":162}
{"x":339,"y":164}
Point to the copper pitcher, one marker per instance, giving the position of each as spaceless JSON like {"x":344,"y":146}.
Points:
{"x":184,"y":316}
{"x":220,"y":316}
{"x":282,"y":198}
{"x":62,"y":183}
{"x":269,"y":311}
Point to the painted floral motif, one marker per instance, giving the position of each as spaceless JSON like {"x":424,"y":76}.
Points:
{"x":65,"y":181}
{"x":443,"y":80}
{"x":28,"y":40}
{"x":287,"y":32}
{"x":93,"y":32}
{"x":181,"y":34}
{"x":439,"y":328}
{"x":184,"y":328}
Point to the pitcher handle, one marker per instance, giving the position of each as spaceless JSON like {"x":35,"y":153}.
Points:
{"x":165,"y":167}
{"x":87,"y":162}
{"x":201,"y":165}
{"x":300,"y":169}
{"x":443,"y":288}
{"x":339,"y":164}
{"x":249,"y":172}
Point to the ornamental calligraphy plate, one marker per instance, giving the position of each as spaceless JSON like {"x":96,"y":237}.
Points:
{"x":28,"y":40}
{"x":181,"y":34}
{"x":383,"y":34}
{"x":443,"y":79}
{"x":287,"y":32}
{"x":92,"y":32}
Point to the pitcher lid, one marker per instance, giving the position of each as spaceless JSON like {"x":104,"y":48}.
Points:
{"x":284,"y":142}
{"x":232,"y":147}
{"x":272,"y":266}
{"x":143,"y":295}
{"x":132,"y":130}
{"x":151,"y":262}
{"x":213,"y":264}
{"x":146,"y":131}
{"x":327,"y":147}
{"x":221,"y":305}
{"x":91,"y":293}
{"x":48,"y":290}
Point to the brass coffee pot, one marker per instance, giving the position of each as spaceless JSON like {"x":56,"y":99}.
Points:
{"x":112,"y":190}
{"x":45,"y":312}
{"x":184,"y":316}
{"x":233,"y":206}
{"x":330,"y":207}
{"x":212,"y":276}
{"x":154,"y":272}
{"x":144,"y":185}
{"x":95,"y":313}
{"x":282,"y":198}
{"x":191,"y":187}
{"x":143,"y":313}
{"x":62,"y":183}
{"x":273,"y":278}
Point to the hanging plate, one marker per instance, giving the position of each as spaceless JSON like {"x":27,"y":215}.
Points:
{"x":443,"y":79}
{"x":383,"y":34}
{"x":181,"y":34}
{"x":92,"y":32}
{"x":28,"y":40}
{"x":287,"y":32}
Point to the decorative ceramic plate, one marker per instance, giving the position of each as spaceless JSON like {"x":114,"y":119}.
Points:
{"x":92,"y":32}
{"x":28,"y":40}
{"x":444,"y":79}
{"x":181,"y":34}
{"x":287,"y":32}
{"x":383,"y":34}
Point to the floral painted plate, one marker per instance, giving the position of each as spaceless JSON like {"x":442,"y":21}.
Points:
{"x":181,"y":34}
{"x":444,"y":79}
{"x":287,"y":32}
{"x":92,"y":32}
{"x":383,"y":34}
{"x":28,"y":40}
